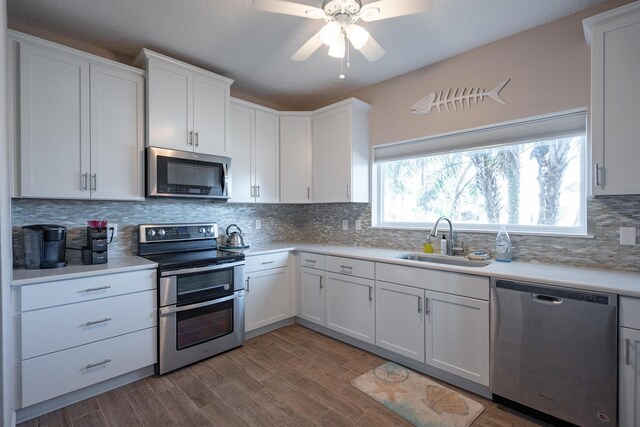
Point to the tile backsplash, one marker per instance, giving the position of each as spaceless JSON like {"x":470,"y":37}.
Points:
{"x":322,"y":223}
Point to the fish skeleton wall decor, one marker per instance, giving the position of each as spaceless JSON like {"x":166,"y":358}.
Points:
{"x":441,"y":100}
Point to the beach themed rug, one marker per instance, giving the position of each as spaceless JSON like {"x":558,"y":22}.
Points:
{"x":417,"y":399}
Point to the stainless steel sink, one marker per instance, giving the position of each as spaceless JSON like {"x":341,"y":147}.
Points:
{"x":449,"y":260}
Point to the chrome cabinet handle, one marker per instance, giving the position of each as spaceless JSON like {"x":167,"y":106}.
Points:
{"x":348,"y":191}
{"x":93,"y":365}
{"x":94,"y":179}
{"x":97,"y":289}
{"x":257,"y":191}
{"x":266,"y":262}
{"x":95,"y":322}
{"x":197,"y":139}
{"x":599,"y":182}
{"x":370,"y":293}
{"x":426,"y":306}
{"x":321,"y":285}
{"x":419,"y":304}
{"x":312,"y":261}
{"x":626,"y":352}
{"x":190,"y":138}
{"x":346,"y":269}
{"x":83,"y":181}
{"x":308,"y":192}
{"x":247,"y":283}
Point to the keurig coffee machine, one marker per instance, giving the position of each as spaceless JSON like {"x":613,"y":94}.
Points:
{"x":44,"y":246}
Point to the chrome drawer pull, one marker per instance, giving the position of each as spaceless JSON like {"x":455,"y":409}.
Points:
{"x":93,"y":365}
{"x":312,"y":261}
{"x":346,"y":269}
{"x":95,"y":322}
{"x":266,"y":262}
{"x":426,"y":306}
{"x":626,"y":352}
{"x":247,"y":281}
{"x":101,"y":288}
{"x":419,"y":304}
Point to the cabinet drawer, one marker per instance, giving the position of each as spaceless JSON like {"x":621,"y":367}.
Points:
{"x":79,"y":367}
{"x":58,"y":328}
{"x":311,"y":260}
{"x":262,"y":262}
{"x":350,"y":266}
{"x":442,"y":281}
{"x":630,"y":312}
{"x":50,"y":294}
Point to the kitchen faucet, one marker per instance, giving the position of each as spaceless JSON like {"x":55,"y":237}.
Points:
{"x":434,"y":233}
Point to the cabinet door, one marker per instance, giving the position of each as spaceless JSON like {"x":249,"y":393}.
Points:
{"x":266,"y":157}
{"x":170,"y":104}
{"x":616,"y":90}
{"x":210,"y":101}
{"x":54,"y":124}
{"x":400,"y":319}
{"x":267,"y":298}
{"x":351,"y":306}
{"x":312,"y":295}
{"x":629,"y":378}
{"x":332,"y":156}
{"x":457,"y":335}
{"x":295,"y":158}
{"x":241,"y":126}
{"x":117,"y":132}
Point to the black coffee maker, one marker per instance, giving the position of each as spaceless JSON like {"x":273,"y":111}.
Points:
{"x":44,"y":246}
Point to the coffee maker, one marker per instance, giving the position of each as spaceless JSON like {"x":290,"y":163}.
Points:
{"x":44,"y":246}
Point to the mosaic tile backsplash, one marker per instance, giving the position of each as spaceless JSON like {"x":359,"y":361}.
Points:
{"x":322,"y":223}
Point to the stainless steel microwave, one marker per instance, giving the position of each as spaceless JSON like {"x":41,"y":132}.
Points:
{"x":173,"y":173}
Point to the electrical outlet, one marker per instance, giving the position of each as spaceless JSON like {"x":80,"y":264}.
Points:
{"x":112,"y":230}
{"x":258,"y":224}
{"x":628,"y":236}
{"x":358,"y":224}
{"x":345,"y":224}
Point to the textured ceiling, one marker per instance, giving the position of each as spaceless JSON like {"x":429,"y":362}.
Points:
{"x":253,"y":47}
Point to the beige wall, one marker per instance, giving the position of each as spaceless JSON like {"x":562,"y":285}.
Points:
{"x":548,"y":66}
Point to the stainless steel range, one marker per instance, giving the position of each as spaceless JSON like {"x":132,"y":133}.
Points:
{"x":200,"y":292}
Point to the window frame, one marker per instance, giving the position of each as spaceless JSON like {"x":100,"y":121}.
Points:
{"x":543,"y":230}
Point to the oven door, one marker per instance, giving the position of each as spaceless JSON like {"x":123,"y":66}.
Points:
{"x":193,"y":332}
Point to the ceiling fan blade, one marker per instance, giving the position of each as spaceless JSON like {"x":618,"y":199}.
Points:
{"x":372,"y":50}
{"x":385,"y":9}
{"x":307,"y":49}
{"x":289,"y":8}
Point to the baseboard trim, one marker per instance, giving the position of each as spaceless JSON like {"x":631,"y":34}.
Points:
{"x":268,"y":328}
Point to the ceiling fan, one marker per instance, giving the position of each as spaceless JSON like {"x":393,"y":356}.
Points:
{"x":341,"y":17}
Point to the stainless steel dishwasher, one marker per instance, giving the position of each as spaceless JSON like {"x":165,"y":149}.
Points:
{"x":555,"y":350}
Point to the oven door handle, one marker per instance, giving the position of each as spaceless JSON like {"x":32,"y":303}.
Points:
{"x":220,"y":266}
{"x":168,"y":310}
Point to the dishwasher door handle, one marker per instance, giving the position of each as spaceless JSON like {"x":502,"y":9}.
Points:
{"x":546,"y":299}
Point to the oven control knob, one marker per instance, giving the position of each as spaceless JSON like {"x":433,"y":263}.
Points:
{"x":161,"y":232}
{"x":209,"y":229}
{"x":202,"y":230}
{"x":151,"y":233}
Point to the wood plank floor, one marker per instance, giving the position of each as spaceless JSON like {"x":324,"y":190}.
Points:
{"x":289,"y":377}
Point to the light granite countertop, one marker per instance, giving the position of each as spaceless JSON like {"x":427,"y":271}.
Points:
{"x":611,"y":281}
{"x":22,"y":276}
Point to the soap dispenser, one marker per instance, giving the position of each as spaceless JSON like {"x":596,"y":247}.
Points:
{"x":503,"y":246}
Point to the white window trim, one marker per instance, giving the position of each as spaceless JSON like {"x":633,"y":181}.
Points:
{"x":566,"y":118}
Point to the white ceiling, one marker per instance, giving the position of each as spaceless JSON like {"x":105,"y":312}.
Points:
{"x":253,"y":47}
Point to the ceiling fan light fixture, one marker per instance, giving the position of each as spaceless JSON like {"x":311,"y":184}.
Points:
{"x":337,"y":49}
{"x":330,"y":33}
{"x":357,"y":35}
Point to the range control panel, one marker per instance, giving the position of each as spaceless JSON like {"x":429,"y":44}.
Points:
{"x":181,"y":232}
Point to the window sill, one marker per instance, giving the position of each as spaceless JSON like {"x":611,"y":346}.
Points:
{"x":480,"y":231}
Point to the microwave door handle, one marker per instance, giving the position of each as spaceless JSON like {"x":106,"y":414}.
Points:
{"x":225,"y":179}
{"x":173,"y":309}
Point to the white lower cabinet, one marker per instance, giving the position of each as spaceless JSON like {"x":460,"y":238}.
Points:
{"x":268,"y":294}
{"x":312,"y":295}
{"x":78,"y":332}
{"x":350,"y":306}
{"x":629,"y":364}
{"x":457,"y":335}
{"x":400,"y":319}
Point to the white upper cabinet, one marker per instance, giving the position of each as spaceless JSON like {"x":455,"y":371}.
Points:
{"x":341,"y":152}
{"x":254,"y":136}
{"x":295,"y":157}
{"x":615,"y":90}
{"x":188,"y":107}
{"x":77,"y":123}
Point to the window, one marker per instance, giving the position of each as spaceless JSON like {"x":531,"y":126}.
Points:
{"x":532,"y":184}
